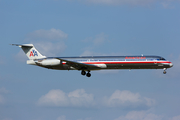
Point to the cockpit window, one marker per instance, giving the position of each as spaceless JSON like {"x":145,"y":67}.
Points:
{"x":162,"y":59}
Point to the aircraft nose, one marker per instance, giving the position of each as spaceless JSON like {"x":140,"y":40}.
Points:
{"x":170,"y":64}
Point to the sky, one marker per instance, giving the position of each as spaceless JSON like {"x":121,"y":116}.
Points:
{"x":66,"y":28}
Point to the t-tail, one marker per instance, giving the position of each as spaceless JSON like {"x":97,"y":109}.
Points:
{"x":30,"y":51}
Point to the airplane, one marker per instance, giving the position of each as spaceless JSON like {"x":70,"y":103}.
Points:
{"x":85,"y":64}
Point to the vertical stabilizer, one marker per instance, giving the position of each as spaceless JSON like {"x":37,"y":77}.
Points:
{"x":30,"y":51}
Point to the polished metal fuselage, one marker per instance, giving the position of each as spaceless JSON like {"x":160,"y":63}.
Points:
{"x":113,"y":62}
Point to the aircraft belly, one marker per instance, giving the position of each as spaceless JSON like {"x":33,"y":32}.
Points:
{"x":114,"y":66}
{"x":134,"y":66}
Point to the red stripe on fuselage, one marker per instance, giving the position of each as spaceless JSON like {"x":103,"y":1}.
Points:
{"x":125,"y":62}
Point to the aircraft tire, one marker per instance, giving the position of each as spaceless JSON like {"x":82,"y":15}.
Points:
{"x":83,"y":72}
{"x":88,"y":74}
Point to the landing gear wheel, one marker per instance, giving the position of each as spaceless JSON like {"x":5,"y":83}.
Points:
{"x":83,"y":72}
{"x":164,"y":70}
{"x":88,"y":74}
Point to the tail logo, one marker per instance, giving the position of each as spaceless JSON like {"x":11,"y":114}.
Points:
{"x":33,"y":53}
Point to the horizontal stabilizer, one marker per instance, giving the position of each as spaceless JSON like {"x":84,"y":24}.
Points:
{"x":23,"y":45}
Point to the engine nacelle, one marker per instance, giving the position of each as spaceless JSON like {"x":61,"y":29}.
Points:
{"x":49,"y":62}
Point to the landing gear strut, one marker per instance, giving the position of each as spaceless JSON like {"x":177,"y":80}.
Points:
{"x":164,"y":71}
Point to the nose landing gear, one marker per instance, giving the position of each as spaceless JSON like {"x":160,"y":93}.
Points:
{"x":164,"y":70}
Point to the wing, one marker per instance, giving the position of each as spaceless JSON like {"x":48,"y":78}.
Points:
{"x":80,"y":66}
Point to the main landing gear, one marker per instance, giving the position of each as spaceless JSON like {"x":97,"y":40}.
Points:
{"x":84,"y":73}
{"x":164,"y":70}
